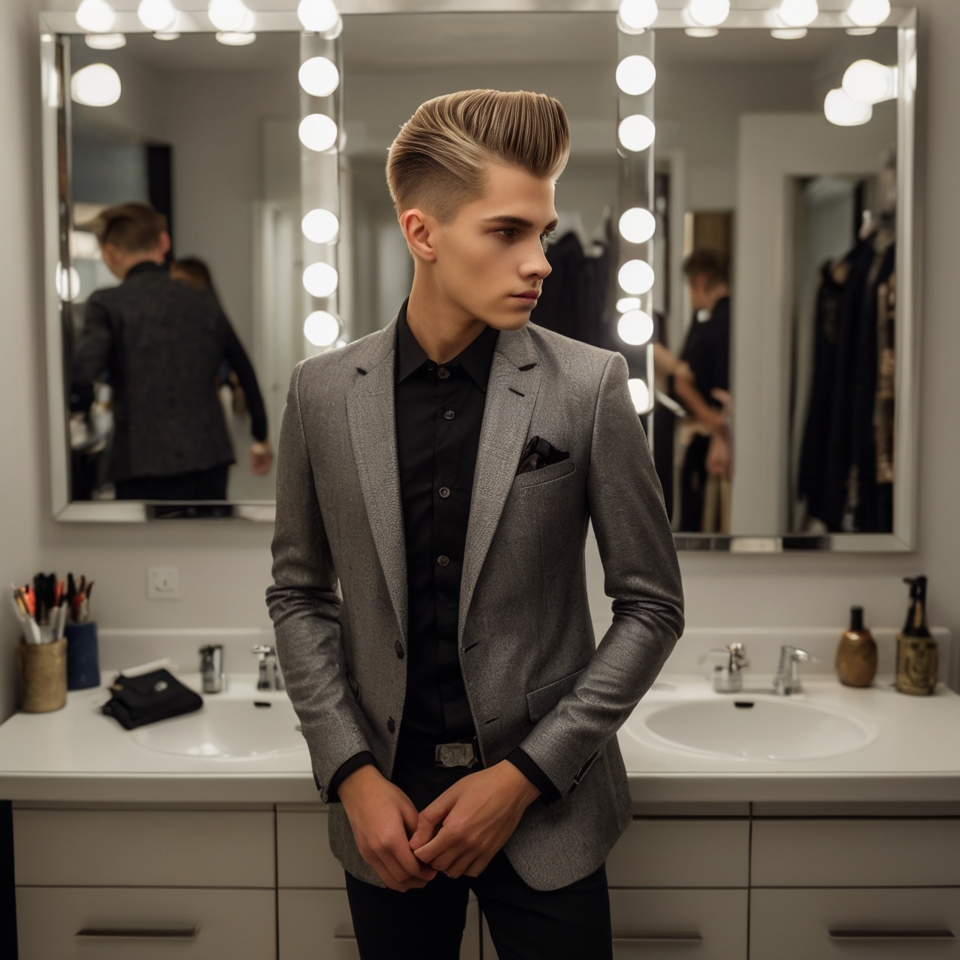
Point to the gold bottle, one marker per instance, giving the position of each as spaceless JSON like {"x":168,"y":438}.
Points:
{"x":857,"y":653}
{"x":916,"y":648}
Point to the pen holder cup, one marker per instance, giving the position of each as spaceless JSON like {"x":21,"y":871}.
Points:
{"x":43,"y":676}
{"x":83,"y":663}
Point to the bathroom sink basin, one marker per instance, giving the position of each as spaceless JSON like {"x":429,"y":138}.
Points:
{"x":227,"y":729}
{"x":758,"y":728}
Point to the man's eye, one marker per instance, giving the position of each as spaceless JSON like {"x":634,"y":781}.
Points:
{"x":508,"y":232}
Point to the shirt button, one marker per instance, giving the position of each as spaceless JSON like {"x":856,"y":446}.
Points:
{"x":443,"y":373}
{"x":448,"y":415}
{"x":444,"y":491}
{"x":442,"y":560}
{"x":398,"y":646}
{"x":391,"y":725}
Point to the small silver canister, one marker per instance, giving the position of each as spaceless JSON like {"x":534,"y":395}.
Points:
{"x":211,"y":668}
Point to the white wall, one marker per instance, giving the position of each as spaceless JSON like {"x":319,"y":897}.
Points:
{"x":224,"y":569}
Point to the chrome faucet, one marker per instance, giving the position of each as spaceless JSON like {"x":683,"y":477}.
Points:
{"x":211,"y":668}
{"x":269,"y":677}
{"x":787,"y":680}
{"x":728,"y":667}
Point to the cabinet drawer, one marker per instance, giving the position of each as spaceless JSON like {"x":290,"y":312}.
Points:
{"x":666,"y":924}
{"x":681,"y":853}
{"x":303,"y":852}
{"x":145,"y":923}
{"x":803,"y":924}
{"x":316,"y":925}
{"x":856,"y":853}
{"x":150,"y":848}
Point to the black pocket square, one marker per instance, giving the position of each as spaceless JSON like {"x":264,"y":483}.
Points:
{"x":540,"y":453}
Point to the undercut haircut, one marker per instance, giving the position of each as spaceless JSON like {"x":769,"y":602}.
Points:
{"x":437,"y":160}
{"x":132,"y":227}
{"x":709,"y":263}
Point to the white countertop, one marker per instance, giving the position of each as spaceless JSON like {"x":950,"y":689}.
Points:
{"x":77,"y":754}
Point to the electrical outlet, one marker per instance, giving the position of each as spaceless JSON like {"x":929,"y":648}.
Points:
{"x":163,"y":583}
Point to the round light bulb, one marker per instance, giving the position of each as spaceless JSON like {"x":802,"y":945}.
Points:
{"x":637,"y":15}
{"x":639,"y":394}
{"x":166,"y":36}
{"x":701,"y":33}
{"x":868,"y":13}
{"x":636,"y":75}
{"x":636,"y":132}
{"x":867,"y":81}
{"x":637,"y":225}
{"x":321,"y":328}
{"x":636,"y":277}
{"x":97,"y":85}
{"x":320,"y":226}
{"x":708,"y":13}
{"x":798,"y":13}
{"x":97,"y":16}
{"x":318,"y":132}
{"x":319,"y":76}
{"x":840,"y":110}
{"x":68,"y":282}
{"x":230,"y":16}
{"x":157,"y":15}
{"x":230,"y":38}
{"x":789,"y":33}
{"x":105,"y":41}
{"x":628,"y":303}
{"x":317,"y":16}
{"x":320,"y":280}
{"x":635,"y":327}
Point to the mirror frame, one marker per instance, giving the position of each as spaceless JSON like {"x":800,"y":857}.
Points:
{"x":54,"y":120}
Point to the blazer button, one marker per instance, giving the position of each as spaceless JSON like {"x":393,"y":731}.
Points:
{"x":444,"y":492}
{"x":443,"y":561}
{"x":391,"y":725}
{"x":449,"y":414}
{"x":398,"y":646}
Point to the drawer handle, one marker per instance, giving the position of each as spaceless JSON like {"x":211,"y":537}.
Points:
{"x":137,"y":933}
{"x":661,"y":938}
{"x":867,"y":934}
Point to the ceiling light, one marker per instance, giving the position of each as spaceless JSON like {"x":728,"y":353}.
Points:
{"x":789,"y":33}
{"x":701,"y":33}
{"x":636,"y":15}
{"x":636,"y":277}
{"x":166,"y":35}
{"x":97,"y":16}
{"x":708,"y":13}
{"x":839,"y":109}
{"x":97,"y":85}
{"x":798,"y":13}
{"x":319,"y":76}
{"x":320,"y":226}
{"x":635,"y":75}
{"x":628,"y":303}
{"x":635,"y":327}
{"x":231,"y":38}
{"x":317,"y":16}
{"x":867,"y":81}
{"x":637,"y":225}
{"x":636,"y":132}
{"x":868,"y":13}
{"x":105,"y":41}
{"x":157,"y":15}
{"x":320,"y":280}
{"x":321,"y":328}
{"x":318,"y":132}
{"x":639,"y":394}
{"x":231,"y":16}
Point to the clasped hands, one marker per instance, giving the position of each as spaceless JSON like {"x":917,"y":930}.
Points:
{"x":458,"y":834}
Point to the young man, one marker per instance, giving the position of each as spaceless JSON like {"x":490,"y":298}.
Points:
{"x":443,"y":472}
{"x":162,"y":344}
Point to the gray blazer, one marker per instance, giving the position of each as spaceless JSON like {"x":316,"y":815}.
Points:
{"x":534,"y":675}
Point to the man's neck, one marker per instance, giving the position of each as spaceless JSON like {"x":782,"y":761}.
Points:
{"x":441,"y":328}
{"x":135,"y":261}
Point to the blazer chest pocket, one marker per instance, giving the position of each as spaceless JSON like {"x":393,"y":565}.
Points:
{"x":542,"y":700}
{"x":553,"y":471}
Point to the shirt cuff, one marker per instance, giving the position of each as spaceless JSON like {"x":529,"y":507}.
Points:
{"x":357,"y":761}
{"x":529,"y":768}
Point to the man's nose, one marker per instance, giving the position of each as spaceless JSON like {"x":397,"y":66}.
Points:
{"x":538,"y":265}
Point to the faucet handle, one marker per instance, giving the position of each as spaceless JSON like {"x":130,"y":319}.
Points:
{"x":263,"y":651}
{"x":801,"y":656}
{"x":735,"y":654}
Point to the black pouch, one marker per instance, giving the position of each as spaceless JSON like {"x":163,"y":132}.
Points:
{"x":145,"y":699}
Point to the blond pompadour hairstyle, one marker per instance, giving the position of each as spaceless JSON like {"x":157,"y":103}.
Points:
{"x":437,"y":160}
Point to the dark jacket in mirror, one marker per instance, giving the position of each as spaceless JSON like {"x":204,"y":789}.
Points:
{"x":160,"y":344}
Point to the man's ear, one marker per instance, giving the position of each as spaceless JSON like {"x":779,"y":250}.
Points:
{"x":164,"y":244}
{"x":419,"y":231}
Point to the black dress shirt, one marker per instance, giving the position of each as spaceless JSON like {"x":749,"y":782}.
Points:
{"x":439,"y":413}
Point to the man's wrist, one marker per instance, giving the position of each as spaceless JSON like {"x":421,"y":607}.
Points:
{"x":358,"y":782}
{"x":526,"y":791}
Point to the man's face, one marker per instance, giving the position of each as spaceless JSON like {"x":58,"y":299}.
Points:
{"x":701,"y":292}
{"x":489,"y":257}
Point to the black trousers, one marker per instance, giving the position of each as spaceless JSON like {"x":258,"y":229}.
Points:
{"x":572,"y":923}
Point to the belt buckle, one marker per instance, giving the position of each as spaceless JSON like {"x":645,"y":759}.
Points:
{"x":455,"y":755}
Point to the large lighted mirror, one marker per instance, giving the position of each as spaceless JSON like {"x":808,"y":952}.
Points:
{"x":760,"y":287}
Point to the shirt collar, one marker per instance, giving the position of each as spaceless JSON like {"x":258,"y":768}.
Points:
{"x":476,"y":359}
{"x":145,"y":266}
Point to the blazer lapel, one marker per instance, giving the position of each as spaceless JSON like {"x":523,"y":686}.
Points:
{"x":511,"y":394}
{"x":373,"y":434}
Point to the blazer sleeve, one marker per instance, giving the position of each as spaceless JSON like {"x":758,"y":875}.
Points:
{"x":238,"y":359}
{"x":641,"y":576}
{"x":92,"y":352}
{"x":304,"y":605}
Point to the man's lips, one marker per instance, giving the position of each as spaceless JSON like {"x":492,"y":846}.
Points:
{"x":527,"y":295}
